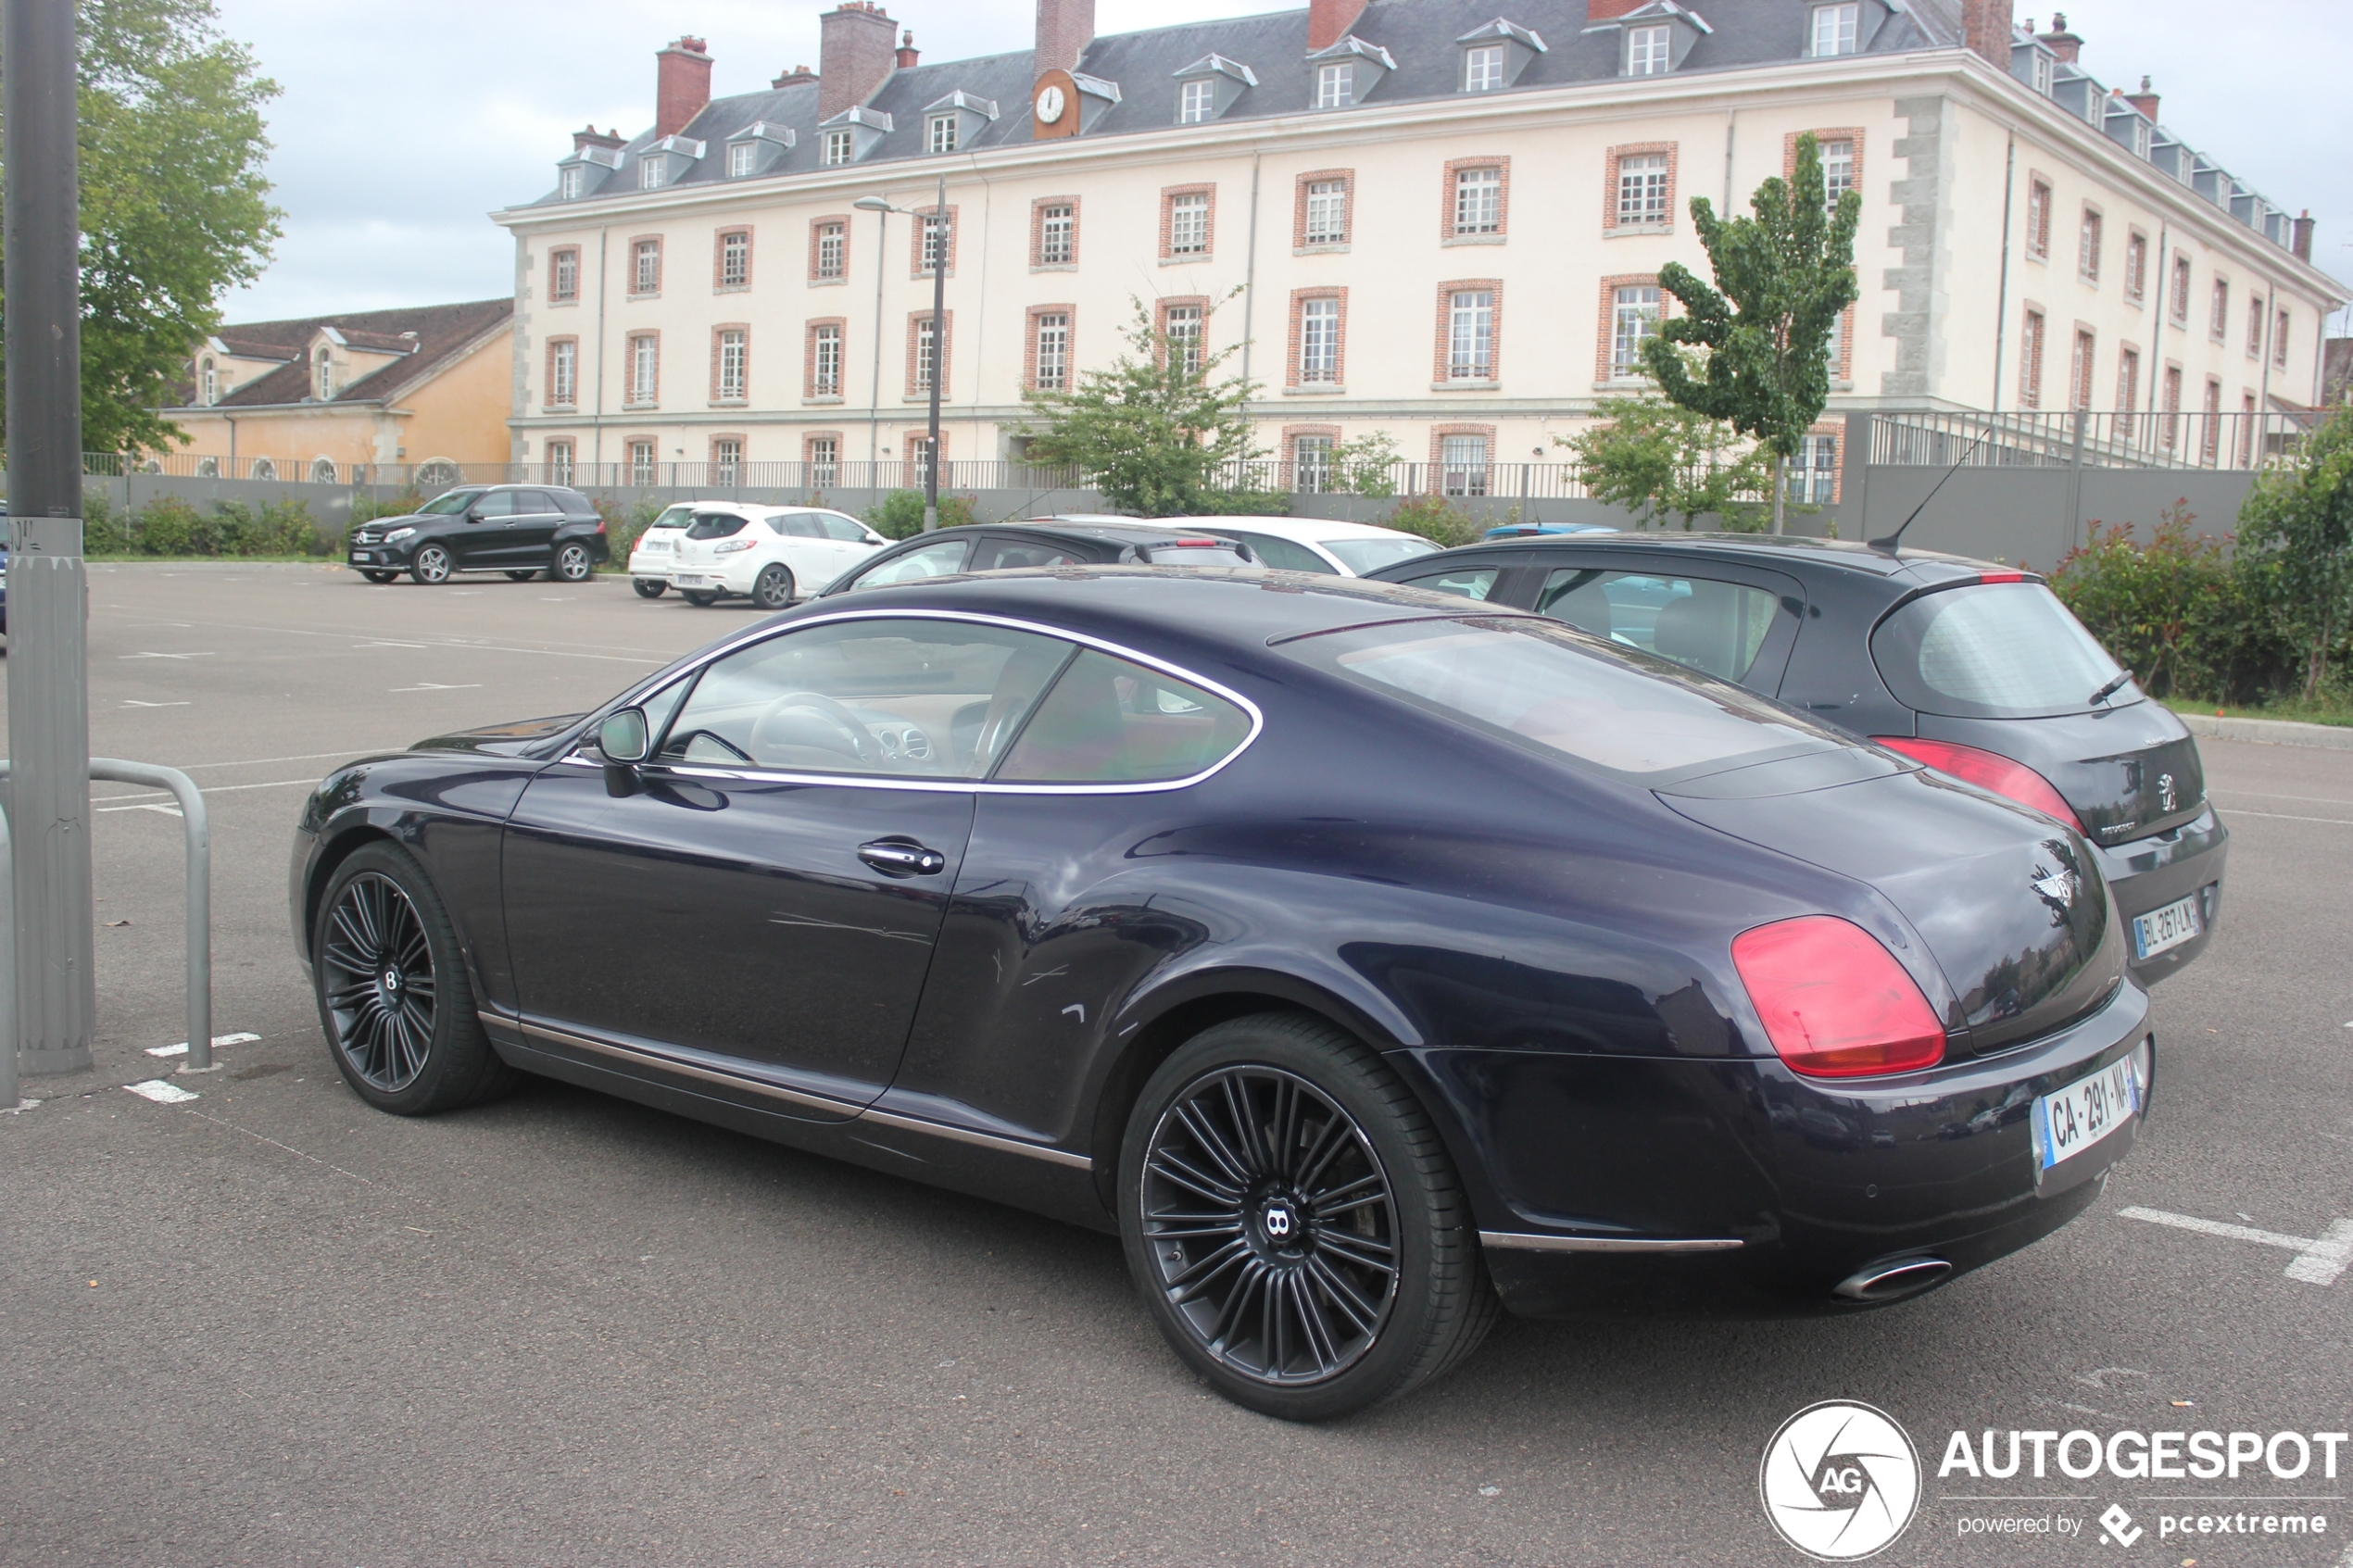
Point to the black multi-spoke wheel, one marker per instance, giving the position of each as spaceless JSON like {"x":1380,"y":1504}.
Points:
{"x":1294,"y":1223}
{"x":393,"y":995}
{"x":1270,"y":1225}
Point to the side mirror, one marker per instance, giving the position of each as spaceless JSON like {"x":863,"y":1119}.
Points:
{"x":623,"y":737}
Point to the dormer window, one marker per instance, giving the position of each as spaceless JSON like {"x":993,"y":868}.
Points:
{"x":1648,"y":51}
{"x":1335,"y":85}
{"x":210,"y":391}
{"x":2046,"y":71}
{"x":1196,"y":101}
{"x":837,"y":148}
{"x":326,"y":376}
{"x":741,"y":155}
{"x":1483,"y":69}
{"x":1210,"y":86}
{"x":650,"y":174}
{"x":1495,"y":54}
{"x":570,"y":181}
{"x":1834,"y":29}
{"x":941,"y":135}
{"x":2141,"y":135}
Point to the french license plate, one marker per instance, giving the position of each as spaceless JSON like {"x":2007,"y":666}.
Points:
{"x":2162,"y":928}
{"x":2080,"y":1115}
{"x":688,"y":580}
{"x":361,"y":558}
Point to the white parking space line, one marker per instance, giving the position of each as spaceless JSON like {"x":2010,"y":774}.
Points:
{"x":2283,"y":817}
{"x":146,"y":803}
{"x":2276,"y":794}
{"x":388,"y":645}
{"x":207,"y":655}
{"x":182,"y":1049}
{"x":436,"y":686}
{"x":549,"y":649}
{"x":160,"y":1092}
{"x":2316,"y":1261}
{"x":134,"y":702}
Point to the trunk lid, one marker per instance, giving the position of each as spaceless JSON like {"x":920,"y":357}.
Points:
{"x":2128,"y":771}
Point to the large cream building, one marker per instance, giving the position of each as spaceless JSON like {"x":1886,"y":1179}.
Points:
{"x":1440,"y":218}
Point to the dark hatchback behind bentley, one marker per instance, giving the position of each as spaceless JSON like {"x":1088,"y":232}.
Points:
{"x":1362,"y":956}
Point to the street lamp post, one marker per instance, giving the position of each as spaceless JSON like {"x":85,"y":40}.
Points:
{"x":939,"y":247}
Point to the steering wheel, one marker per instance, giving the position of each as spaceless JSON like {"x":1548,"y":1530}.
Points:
{"x":861,"y":743}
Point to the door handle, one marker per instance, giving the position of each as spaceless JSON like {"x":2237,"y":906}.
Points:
{"x":902,"y":857}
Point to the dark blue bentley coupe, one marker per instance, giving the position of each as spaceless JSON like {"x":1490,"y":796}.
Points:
{"x":1368,"y":958}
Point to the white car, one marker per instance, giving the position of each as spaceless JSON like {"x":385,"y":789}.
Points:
{"x":773,"y":554}
{"x":1306,"y":544}
{"x":650,"y":557}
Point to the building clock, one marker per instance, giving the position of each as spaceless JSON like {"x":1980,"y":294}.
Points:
{"x":1050,"y":106}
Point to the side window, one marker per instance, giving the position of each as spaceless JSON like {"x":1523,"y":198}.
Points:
{"x":1282,"y":555}
{"x":1471,"y":582}
{"x":496,"y":503}
{"x":537,"y":502}
{"x":833,"y":525}
{"x":899,"y":698}
{"x":932,"y":560}
{"x":1696,"y":620}
{"x":1110,"y":721}
{"x":1006,"y":555}
{"x":794,"y":525}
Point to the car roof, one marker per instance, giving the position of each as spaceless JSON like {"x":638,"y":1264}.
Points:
{"x":1111,"y":530}
{"x":1782,"y":550}
{"x":1304,"y":531}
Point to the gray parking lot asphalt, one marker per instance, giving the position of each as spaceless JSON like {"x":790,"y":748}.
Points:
{"x":270,"y":1326}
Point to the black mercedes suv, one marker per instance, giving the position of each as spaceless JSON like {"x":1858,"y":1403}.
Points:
{"x":521,"y":530}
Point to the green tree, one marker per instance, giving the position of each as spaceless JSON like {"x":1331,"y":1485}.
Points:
{"x":1366,"y":466}
{"x":1655,"y":458}
{"x":1155,"y":427}
{"x":2296,"y":540}
{"x":175,"y":209}
{"x":1782,"y":279}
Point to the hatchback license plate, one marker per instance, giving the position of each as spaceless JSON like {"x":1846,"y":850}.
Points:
{"x":2162,"y":928}
{"x":690,"y":580}
{"x":2085,"y":1111}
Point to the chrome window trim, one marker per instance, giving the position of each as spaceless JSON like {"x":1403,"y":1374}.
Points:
{"x":1518,"y":1241}
{"x":949,"y":786}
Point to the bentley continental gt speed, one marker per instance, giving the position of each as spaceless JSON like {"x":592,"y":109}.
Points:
{"x":1367,"y":959}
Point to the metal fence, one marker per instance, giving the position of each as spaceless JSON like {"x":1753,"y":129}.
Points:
{"x":2036,"y":438}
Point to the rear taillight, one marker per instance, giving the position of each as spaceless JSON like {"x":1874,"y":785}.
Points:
{"x":1987,"y":769}
{"x":1834,"y":1002}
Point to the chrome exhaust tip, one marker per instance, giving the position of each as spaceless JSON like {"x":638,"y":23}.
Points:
{"x":1893,"y":1280}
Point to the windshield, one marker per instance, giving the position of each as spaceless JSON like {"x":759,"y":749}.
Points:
{"x":450,"y":505}
{"x":1364,"y":557}
{"x":1993,"y":650}
{"x":1555,"y":690}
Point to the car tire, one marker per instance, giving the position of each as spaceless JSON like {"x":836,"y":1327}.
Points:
{"x":394,"y":998}
{"x":521,"y":576}
{"x":432,"y":566}
{"x":700,"y":600}
{"x":649,"y":590}
{"x":380,"y":577}
{"x":574,"y":564}
{"x":773,"y":587}
{"x":1202,"y":1142}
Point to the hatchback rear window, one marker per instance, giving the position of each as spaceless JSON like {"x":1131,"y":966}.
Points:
{"x":1192,"y":552}
{"x":1557,"y":691}
{"x":714,"y":525}
{"x":1364,"y":557}
{"x":1993,"y":650}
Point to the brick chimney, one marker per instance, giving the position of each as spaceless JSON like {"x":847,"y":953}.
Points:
{"x":1595,"y":11}
{"x":854,"y":55}
{"x":800,"y":76}
{"x":681,"y":85}
{"x":592,"y":137}
{"x":2144,"y":100}
{"x":1986,"y":27}
{"x":1328,"y":20}
{"x":2063,"y":43}
{"x":1064,"y":28}
{"x":2302,"y":243}
{"x":907,"y":52}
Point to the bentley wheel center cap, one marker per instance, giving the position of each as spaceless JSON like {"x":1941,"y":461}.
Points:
{"x":1281,"y":1222}
{"x":392,"y":980}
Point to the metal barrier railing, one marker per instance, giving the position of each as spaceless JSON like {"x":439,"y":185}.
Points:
{"x":197,"y":832}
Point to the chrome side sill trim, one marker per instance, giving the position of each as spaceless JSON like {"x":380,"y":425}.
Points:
{"x":1516,"y":1241}
{"x":670,"y":1064}
{"x":979,"y":1140}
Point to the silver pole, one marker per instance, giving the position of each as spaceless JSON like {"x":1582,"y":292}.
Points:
{"x":56,"y":999}
{"x":8,"y":977}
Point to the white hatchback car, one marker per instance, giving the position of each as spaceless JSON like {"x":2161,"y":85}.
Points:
{"x":1306,"y":544}
{"x":773,"y":555}
{"x":650,"y":557}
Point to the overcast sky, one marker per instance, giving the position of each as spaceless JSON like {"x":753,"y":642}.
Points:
{"x":400,"y":127}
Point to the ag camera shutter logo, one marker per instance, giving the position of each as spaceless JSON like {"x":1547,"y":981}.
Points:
{"x":1840,"y":1481}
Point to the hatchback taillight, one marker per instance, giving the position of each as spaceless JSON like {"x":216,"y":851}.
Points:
{"x":1987,"y":769}
{"x":1835,"y":1004}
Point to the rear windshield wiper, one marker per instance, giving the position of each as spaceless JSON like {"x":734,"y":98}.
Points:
{"x":2111,"y":688}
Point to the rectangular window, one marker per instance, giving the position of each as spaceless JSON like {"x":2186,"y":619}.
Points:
{"x":1052,"y":351}
{"x":740,"y":156}
{"x":1319,"y":342}
{"x":825,"y":361}
{"x":2137,"y":266}
{"x":1471,"y":336}
{"x":735,"y":260}
{"x":1647,"y":51}
{"x":942,"y":137}
{"x":563,"y":373}
{"x":651,"y":171}
{"x":641,"y":462}
{"x":1188,"y":225}
{"x":1641,"y":190}
{"x":2029,"y":362}
{"x":833,"y":242}
{"x":2211,"y":445}
{"x":2220,"y":321}
{"x":1057,"y":230}
{"x":560,"y":463}
{"x":1463,"y":465}
{"x":1634,"y":318}
{"x":1838,"y":171}
{"x":1483,"y":69}
{"x":326,"y":377}
{"x":1311,"y":457}
{"x":571,"y":183}
{"x":726,"y":462}
{"x":935,"y":236}
{"x":927,"y":353}
{"x":2278,"y":342}
{"x":1813,"y":475}
{"x":1327,"y":222}
{"x":918,"y":461}
{"x":2171,"y":429}
{"x":1834,"y":29}
{"x":824,"y":459}
{"x":1182,"y":328}
{"x":645,"y":367}
{"x":732,"y":354}
{"x":2246,"y":430}
{"x":1196,"y":101}
{"x":2045,"y":72}
{"x":2128,"y":382}
{"x":1479,"y":201}
{"x":836,"y":151}
{"x":2038,"y":218}
{"x":2255,"y":329}
{"x":2180,"y":290}
{"x":563,"y":281}
{"x":644,"y":274}
{"x":2087,"y":247}
{"x":1335,"y":85}
{"x":2079,"y":378}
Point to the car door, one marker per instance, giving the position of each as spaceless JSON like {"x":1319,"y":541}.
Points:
{"x":531,"y":530}
{"x":1729,"y":620}
{"x":800,"y":541}
{"x":761,"y":898}
{"x":942,"y":557}
{"x":480,"y":540}
{"x":850,"y":543}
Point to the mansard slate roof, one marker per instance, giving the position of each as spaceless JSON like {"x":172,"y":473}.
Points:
{"x":1420,"y":34}
{"x":441,"y":331}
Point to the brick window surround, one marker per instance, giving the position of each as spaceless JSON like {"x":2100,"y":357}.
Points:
{"x":1346,"y":179}
{"x":1167,"y":303}
{"x":715,"y":459}
{"x":916,"y":268}
{"x":911,"y":439}
{"x":1299,"y":297}
{"x":1851,"y":134}
{"x":1438,"y":434}
{"x":1168,"y":195}
{"x":841,"y":326}
{"x":2136,"y":264}
{"x":557,"y":293}
{"x":1289,"y":445}
{"x":1612,"y":165}
{"x":548,"y":380}
{"x":809,"y":444}
{"x":2083,"y":365}
{"x":1606,"y":339}
{"x":2090,"y":239}
{"x":637,"y":266}
{"x":1441,"y":359}
{"x":2218,"y":326}
{"x":1456,"y":167}
{"x":1842,"y":359}
{"x":2127,"y":377}
{"x":1038,"y":231}
{"x":633,"y":394}
{"x":2178,"y":306}
{"x":719,"y":281}
{"x":1069,"y":313}
{"x":816,"y":236}
{"x":1836,"y":431}
{"x":947,"y":364}
{"x":2038,"y":215}
{"x":717,"y":332}
{"x":2033,"y":344}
